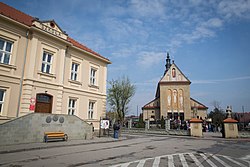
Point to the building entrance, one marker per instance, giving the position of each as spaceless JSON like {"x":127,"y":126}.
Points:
{"x":44,"y":103}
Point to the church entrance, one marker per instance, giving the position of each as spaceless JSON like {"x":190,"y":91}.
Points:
{"x":44,"y":103}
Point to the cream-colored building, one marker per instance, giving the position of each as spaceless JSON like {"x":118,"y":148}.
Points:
{"x":42,"y":69}
{"x":172,"y":99}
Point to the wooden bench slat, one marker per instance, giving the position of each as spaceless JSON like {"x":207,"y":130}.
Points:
{"x":55,"y":135}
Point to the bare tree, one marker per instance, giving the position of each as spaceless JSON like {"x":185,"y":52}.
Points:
{"x":216,"y":104}
{"x":119,"y":95}
{"x":218,"y":114}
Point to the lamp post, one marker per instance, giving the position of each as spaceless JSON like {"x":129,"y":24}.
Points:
{"x":243,"y":117}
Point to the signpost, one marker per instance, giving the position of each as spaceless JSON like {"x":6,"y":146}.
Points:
{"x":104,"y":124}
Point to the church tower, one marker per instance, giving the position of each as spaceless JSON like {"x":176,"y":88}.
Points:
{"x":168,"y":64}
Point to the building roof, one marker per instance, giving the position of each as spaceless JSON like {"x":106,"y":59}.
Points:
{"x":242,"y":117}
{"x":200,"y":105}
{"x":27,"y":20}
{"x":148,"y":106}
{"x":15,"y":14}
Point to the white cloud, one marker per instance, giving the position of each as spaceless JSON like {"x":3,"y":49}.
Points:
{"x":148,"y":8}
{"x":151,"y":82}
{"x":234,"y":8}
{"x":213,"y":23}
{"x":220,"y":80}
{"x":148,"y":59}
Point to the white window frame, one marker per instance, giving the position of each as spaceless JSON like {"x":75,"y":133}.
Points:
{"x":46,"y":63}
{"x":91,"y":110}
{"x":72,"y":106}
{"x":74,"y":71}
{"x":2,"y":101}
{"x":4,"y":52}
{"x":93,"y":73}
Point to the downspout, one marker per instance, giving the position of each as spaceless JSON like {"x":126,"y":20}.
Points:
{"x":22,"y":76}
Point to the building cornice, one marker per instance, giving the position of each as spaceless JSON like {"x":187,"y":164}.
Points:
{"x":174,"y":82}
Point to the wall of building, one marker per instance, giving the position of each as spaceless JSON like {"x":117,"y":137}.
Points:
{"x":31,"y":128}
{"x":58,"y":83}
{"x":165,"y":90}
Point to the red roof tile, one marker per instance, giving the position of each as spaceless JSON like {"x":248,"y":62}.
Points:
{"x":195,"y":120}
{"x":15,"y":14}
{"x":23,"y":18}
{"x":81,"y":46}
{"x":230,"y":120}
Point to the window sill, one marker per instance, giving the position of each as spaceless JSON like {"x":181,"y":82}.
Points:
{"x":7,"y":66}
{"x":75,"y":82}
{"x":94,"y":86}
{"x":47,"y":75}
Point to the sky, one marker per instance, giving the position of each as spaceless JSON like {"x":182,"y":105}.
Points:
{"x":208,"y":40}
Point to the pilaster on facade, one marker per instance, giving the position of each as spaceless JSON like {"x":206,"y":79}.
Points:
{"x":59,"y":100}
{"x":25,"y":99}
{"x":61,"y":64}
{"x":103,"y":108}
{"x":31,"y":60}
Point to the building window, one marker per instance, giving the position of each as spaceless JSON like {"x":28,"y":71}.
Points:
{"x":5,"y":51}
{"x":92,"y":76}
{"x":47,"y":62}
{"x":2,"y":94}
{"x":91,"y":110}
{"x":74,"y":71}
{"x":72,"y":107}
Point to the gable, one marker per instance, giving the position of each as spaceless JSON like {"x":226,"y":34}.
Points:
{"x":50,"y":27}
{"x":174,"y":74}
{"x":195,"y":104}
{"x":152,"y":104}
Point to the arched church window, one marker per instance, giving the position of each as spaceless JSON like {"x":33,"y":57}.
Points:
{"x":181,"y":98}
{"x":173,"y":72}
{"x":175,"y":96}
{"x":169,"y":97}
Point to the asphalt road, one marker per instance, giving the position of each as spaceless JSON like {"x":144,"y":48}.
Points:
{"x":137,"y":150}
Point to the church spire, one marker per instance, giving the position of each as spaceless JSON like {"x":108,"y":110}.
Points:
{"x":168,"y":64}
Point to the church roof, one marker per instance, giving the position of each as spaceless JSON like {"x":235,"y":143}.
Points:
{"x":148,"y":106}
{"x":28,"y":20}
{"x":199,"y":106}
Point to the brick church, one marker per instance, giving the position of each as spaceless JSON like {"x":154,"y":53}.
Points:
{"x":172,"y":99}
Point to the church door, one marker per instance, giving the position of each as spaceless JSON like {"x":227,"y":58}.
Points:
{"x":44,"y":103}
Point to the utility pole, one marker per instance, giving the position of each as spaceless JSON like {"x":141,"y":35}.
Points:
{"x":243,"y":117}
{"x":137,"y":111}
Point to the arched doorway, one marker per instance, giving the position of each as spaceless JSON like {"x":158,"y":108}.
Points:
{"x":44,"y":103}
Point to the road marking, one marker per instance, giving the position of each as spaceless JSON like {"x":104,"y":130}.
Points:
{"x":194,"y":156}
{"x":183,"y":160}
{"x":208,"y":160}
{"x":247,"y":157}
{"x":156,"y":161}
{"x":125,"y":165}
{"x":170,"y":160}
{"x":197,"y":162}
{"x":220,"y":161}
{"x":238,"y":163}
{"x":141,"y":163}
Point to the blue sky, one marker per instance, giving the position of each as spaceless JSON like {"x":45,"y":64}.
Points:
{"x":208,"y":40}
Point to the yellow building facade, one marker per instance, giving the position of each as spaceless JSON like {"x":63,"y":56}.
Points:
{"x":172,"y":99}
{"x":43,"y":70}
